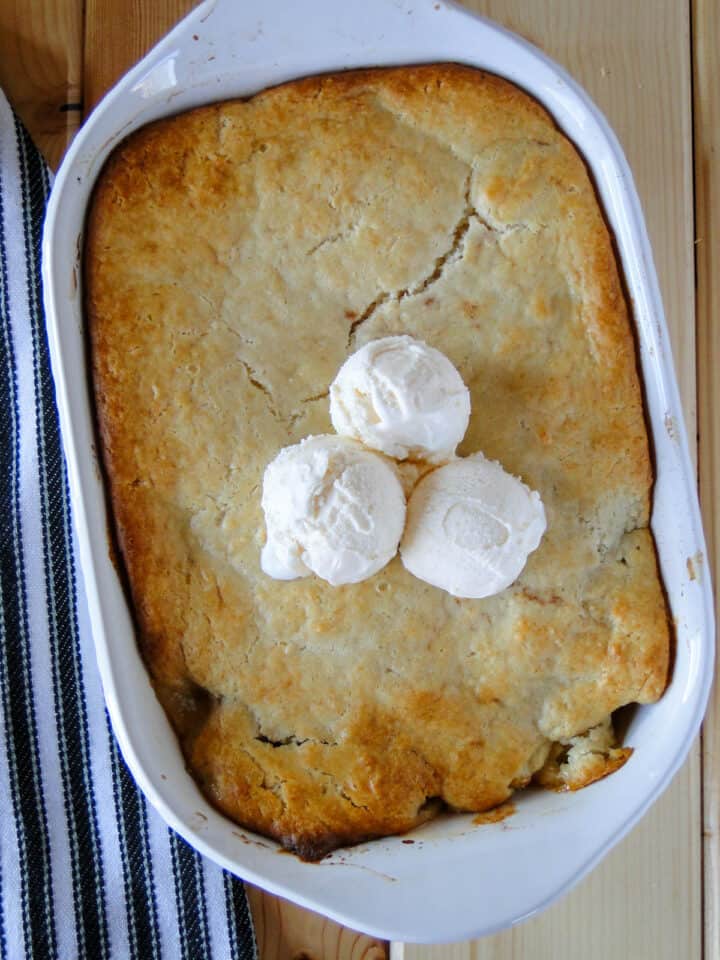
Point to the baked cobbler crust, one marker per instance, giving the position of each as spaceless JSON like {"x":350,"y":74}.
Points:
{"x":235,"y":255}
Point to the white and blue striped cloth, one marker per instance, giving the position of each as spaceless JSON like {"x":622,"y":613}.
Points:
{"x":87,"y":868}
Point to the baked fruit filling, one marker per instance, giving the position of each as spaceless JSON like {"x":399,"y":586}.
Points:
{"x":235,"y":256}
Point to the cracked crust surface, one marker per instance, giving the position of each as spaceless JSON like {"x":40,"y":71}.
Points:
{"x":235,"y":255}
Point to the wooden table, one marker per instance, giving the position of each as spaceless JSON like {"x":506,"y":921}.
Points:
{"x":651,"y":66}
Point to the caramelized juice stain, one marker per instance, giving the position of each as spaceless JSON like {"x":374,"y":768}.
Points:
{"x":495,"y":815}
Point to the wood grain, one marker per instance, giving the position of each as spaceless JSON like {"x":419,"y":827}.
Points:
{"x":286,"y":932}
{"x":645,"y":900}
{"x":41,"y":69}
{"x":118,"y":33}
{"x":706,"y":34}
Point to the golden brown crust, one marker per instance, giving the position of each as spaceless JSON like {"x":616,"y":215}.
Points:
{"x":234,"y":256}
{"x":582,"y":760}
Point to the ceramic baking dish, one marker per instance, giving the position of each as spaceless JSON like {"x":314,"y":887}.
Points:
{"x":456,"y":880}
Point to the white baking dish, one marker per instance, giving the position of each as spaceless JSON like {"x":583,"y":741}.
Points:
{"x":457,"y":880}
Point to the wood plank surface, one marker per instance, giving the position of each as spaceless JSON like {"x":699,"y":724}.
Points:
{"x":284,"y":931}
{"x":634,"y":58}
{"x":41,"y":46}
{"x":118,"y":33}
{"x":706,"y":38}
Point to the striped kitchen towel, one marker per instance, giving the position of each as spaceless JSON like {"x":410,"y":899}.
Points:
{"x":87,"y":868}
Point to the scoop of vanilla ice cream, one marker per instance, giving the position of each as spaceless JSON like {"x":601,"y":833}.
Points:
{"x":471,"y":527}
{"x":402,"y":397}
{"x":331,"y":508}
